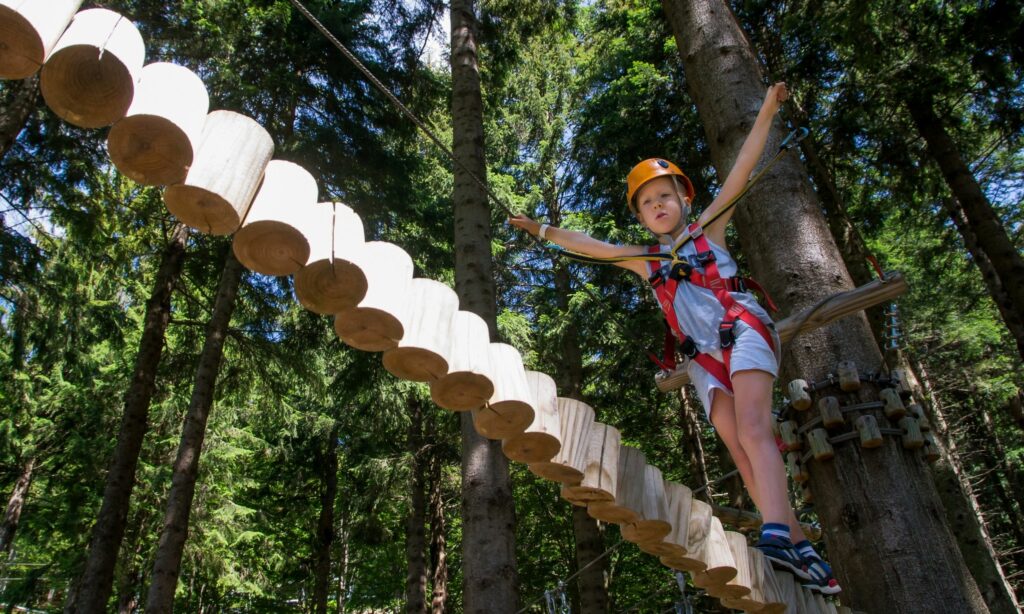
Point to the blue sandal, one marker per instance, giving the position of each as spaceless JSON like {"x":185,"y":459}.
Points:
{"x":822,"y":580}
{"x":782,"y":555}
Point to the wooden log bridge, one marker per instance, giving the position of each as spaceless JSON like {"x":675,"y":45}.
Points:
{"x":221,"y":180}
{"x":825,"y":312}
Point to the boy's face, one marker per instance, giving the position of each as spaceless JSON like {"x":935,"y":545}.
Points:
{"x":658,"y":206}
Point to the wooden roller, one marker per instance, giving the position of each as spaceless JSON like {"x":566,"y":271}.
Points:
{"x":912,"y":436}
{"x":510,"y":409}
{"x":542,"y":439}
{"x":377,"y":324}
{"x":697,"y":527}
{"x":790,"y":438}
{"x":766,"y":583}
{"x":894,"y":408}
{"x":653,"y":524}
{"x":423,"y":352}
{"x":849,"y":377}
{"x":754,"y":601}
{"x":870,"y":435}
{"x":223,"y":179}
{"x":628,"y":502}
{"x":799,"y":398}
{"x":272,"y":237}
{"x":29,"y":29}
{"x":717,"y":556}
{"x":89,"y":77}
{"x":673,"y":546}
{"x":332,"y":281}
{"x":831,"y":415}
{"x":157,"y":139}
{"x":742,"y":584}
{"x":915,"y":410}
{"x":468,"y":384}
{"x":574,"y":421}
{"x":821,"y":447}
{"x":797,"y":469}
{"x":600,"y":466}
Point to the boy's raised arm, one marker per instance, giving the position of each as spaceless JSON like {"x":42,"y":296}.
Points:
{"x":583,"y":243}
{"x":749,"y":154}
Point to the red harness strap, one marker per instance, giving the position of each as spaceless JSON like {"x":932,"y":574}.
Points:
{"x":665,"y":288}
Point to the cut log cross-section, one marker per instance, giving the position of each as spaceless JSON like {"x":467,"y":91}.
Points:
{"x":272,"y":238}
{"x":741,"y":585}
{"x":653,"y":524}
{"x":376,"y":324}
{"x":331,"y":282}
{"x":575,"y":419}
{"x":600,"y":467}
{"x":29,"y":29}
{"x":423,"y":353}
{"x":89,"y":78}
{"x":469,"y":381}
{"x":220,"y":185}
{"x":156,"y":141}
{"x":673,"y":547}
{"x":542,"y":439}
{"x":510,"y":409}
{"x":718,"y":557}
{"x":628,"y":503}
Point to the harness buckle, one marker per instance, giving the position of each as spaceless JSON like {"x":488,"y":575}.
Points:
{"x":681,"y":271}
{"x":705,"y":257}
{"x":689,"y":348}
{"x":658,"y":277}
{"x":726,"y":334}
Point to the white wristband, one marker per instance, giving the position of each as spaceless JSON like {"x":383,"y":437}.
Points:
{"x":543,"y":231}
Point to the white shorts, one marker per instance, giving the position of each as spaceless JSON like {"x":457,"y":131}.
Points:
{"x":750,"y":351}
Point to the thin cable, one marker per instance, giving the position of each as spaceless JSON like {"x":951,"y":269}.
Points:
{"x":573,"y":576}
{"x":716,"y":482}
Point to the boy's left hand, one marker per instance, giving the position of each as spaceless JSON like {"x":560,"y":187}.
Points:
{"x":777,"y":94}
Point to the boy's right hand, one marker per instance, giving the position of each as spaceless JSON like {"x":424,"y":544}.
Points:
{"x":521,"y":221}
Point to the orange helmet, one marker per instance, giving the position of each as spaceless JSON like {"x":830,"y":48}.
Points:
{"x":652,"y":168}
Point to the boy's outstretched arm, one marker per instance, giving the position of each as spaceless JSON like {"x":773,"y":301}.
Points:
{"x":749,"y":154}
{"x":583,"y":243}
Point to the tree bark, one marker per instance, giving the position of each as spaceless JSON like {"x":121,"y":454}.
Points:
{"x":325,"y":523}
{"x":689,"y":423}
{"x":167,"y":563}
{"x":488,"y":510}
{"x":438,"y":536}
{"x":880,"y":511}
{"x":13,"y":117}
{"x":97,"y":579}
{"x":963,"y":512}
{"x":15,"y":504}
{"x":989,"y":234}
{"x":415,"y":533}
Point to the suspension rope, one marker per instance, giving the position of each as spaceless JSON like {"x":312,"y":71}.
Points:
{"x":574,"y":576}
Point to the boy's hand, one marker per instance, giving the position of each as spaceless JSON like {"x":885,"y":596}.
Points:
{"x":521,"y":221}
{"x":777,"y":94}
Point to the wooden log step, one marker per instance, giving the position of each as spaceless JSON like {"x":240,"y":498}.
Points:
{"x":223,"y":179}
{"x":574,"y":419}
{"x":29,"y":29}
{"x":510,"y":409}
{"x":628,"y":503}
{"x":653,"y":524}
{"x":272,"y":238}
{"x":673,"y":546}
{"x":717,"y":556}
{"x":766,"y":582}
{"x":600,"y":466}
{"x":332,"y":281}
{"x":89,"y":78}
{"x":542,"y":439}
{"x":741,"y":585}
{"x":157,"y":139}
{"x":376,"y":324}
{"x":423,"y":352}
{"x":697,"y":529}
{"x":468,"y":383}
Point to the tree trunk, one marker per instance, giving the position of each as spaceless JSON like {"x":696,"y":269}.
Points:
{"x":415,"y":533}
{"x":325,"y":523}
{"x":15,"y":504}
{"x":988,"y":232}
{"x":167,"y":563}
{"x":963,"y":513}
{"x":880,"y":511}
{"x":108,"y":532}
{"x":438,"y":537}
{"x":689,"y":423}
{"x":13,"y":117}
{"x":343,"y":583}
{"x":488,"y":510}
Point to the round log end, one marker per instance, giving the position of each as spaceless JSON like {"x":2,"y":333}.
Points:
{"x":21,"y":49}
{"x":609,"y":512}
{"x":271,"y":248}
{"x":532,"y":448}
{"x":201,"y":209}
{"x":463,"y":391}
{"x":660,"y":549}
{"x":646,"y":531}
{"x":503,"y":420}
{"x":86,"y":88}
{"x":556,"y":472}
{"x":714,"y":576}
{"x":415,"y":364}
{"x":326,"y":288}
{"x":150,"y":150}
{"x":585,"y":495}
{"x":370,"y":330}
{"x":683,"y":563}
